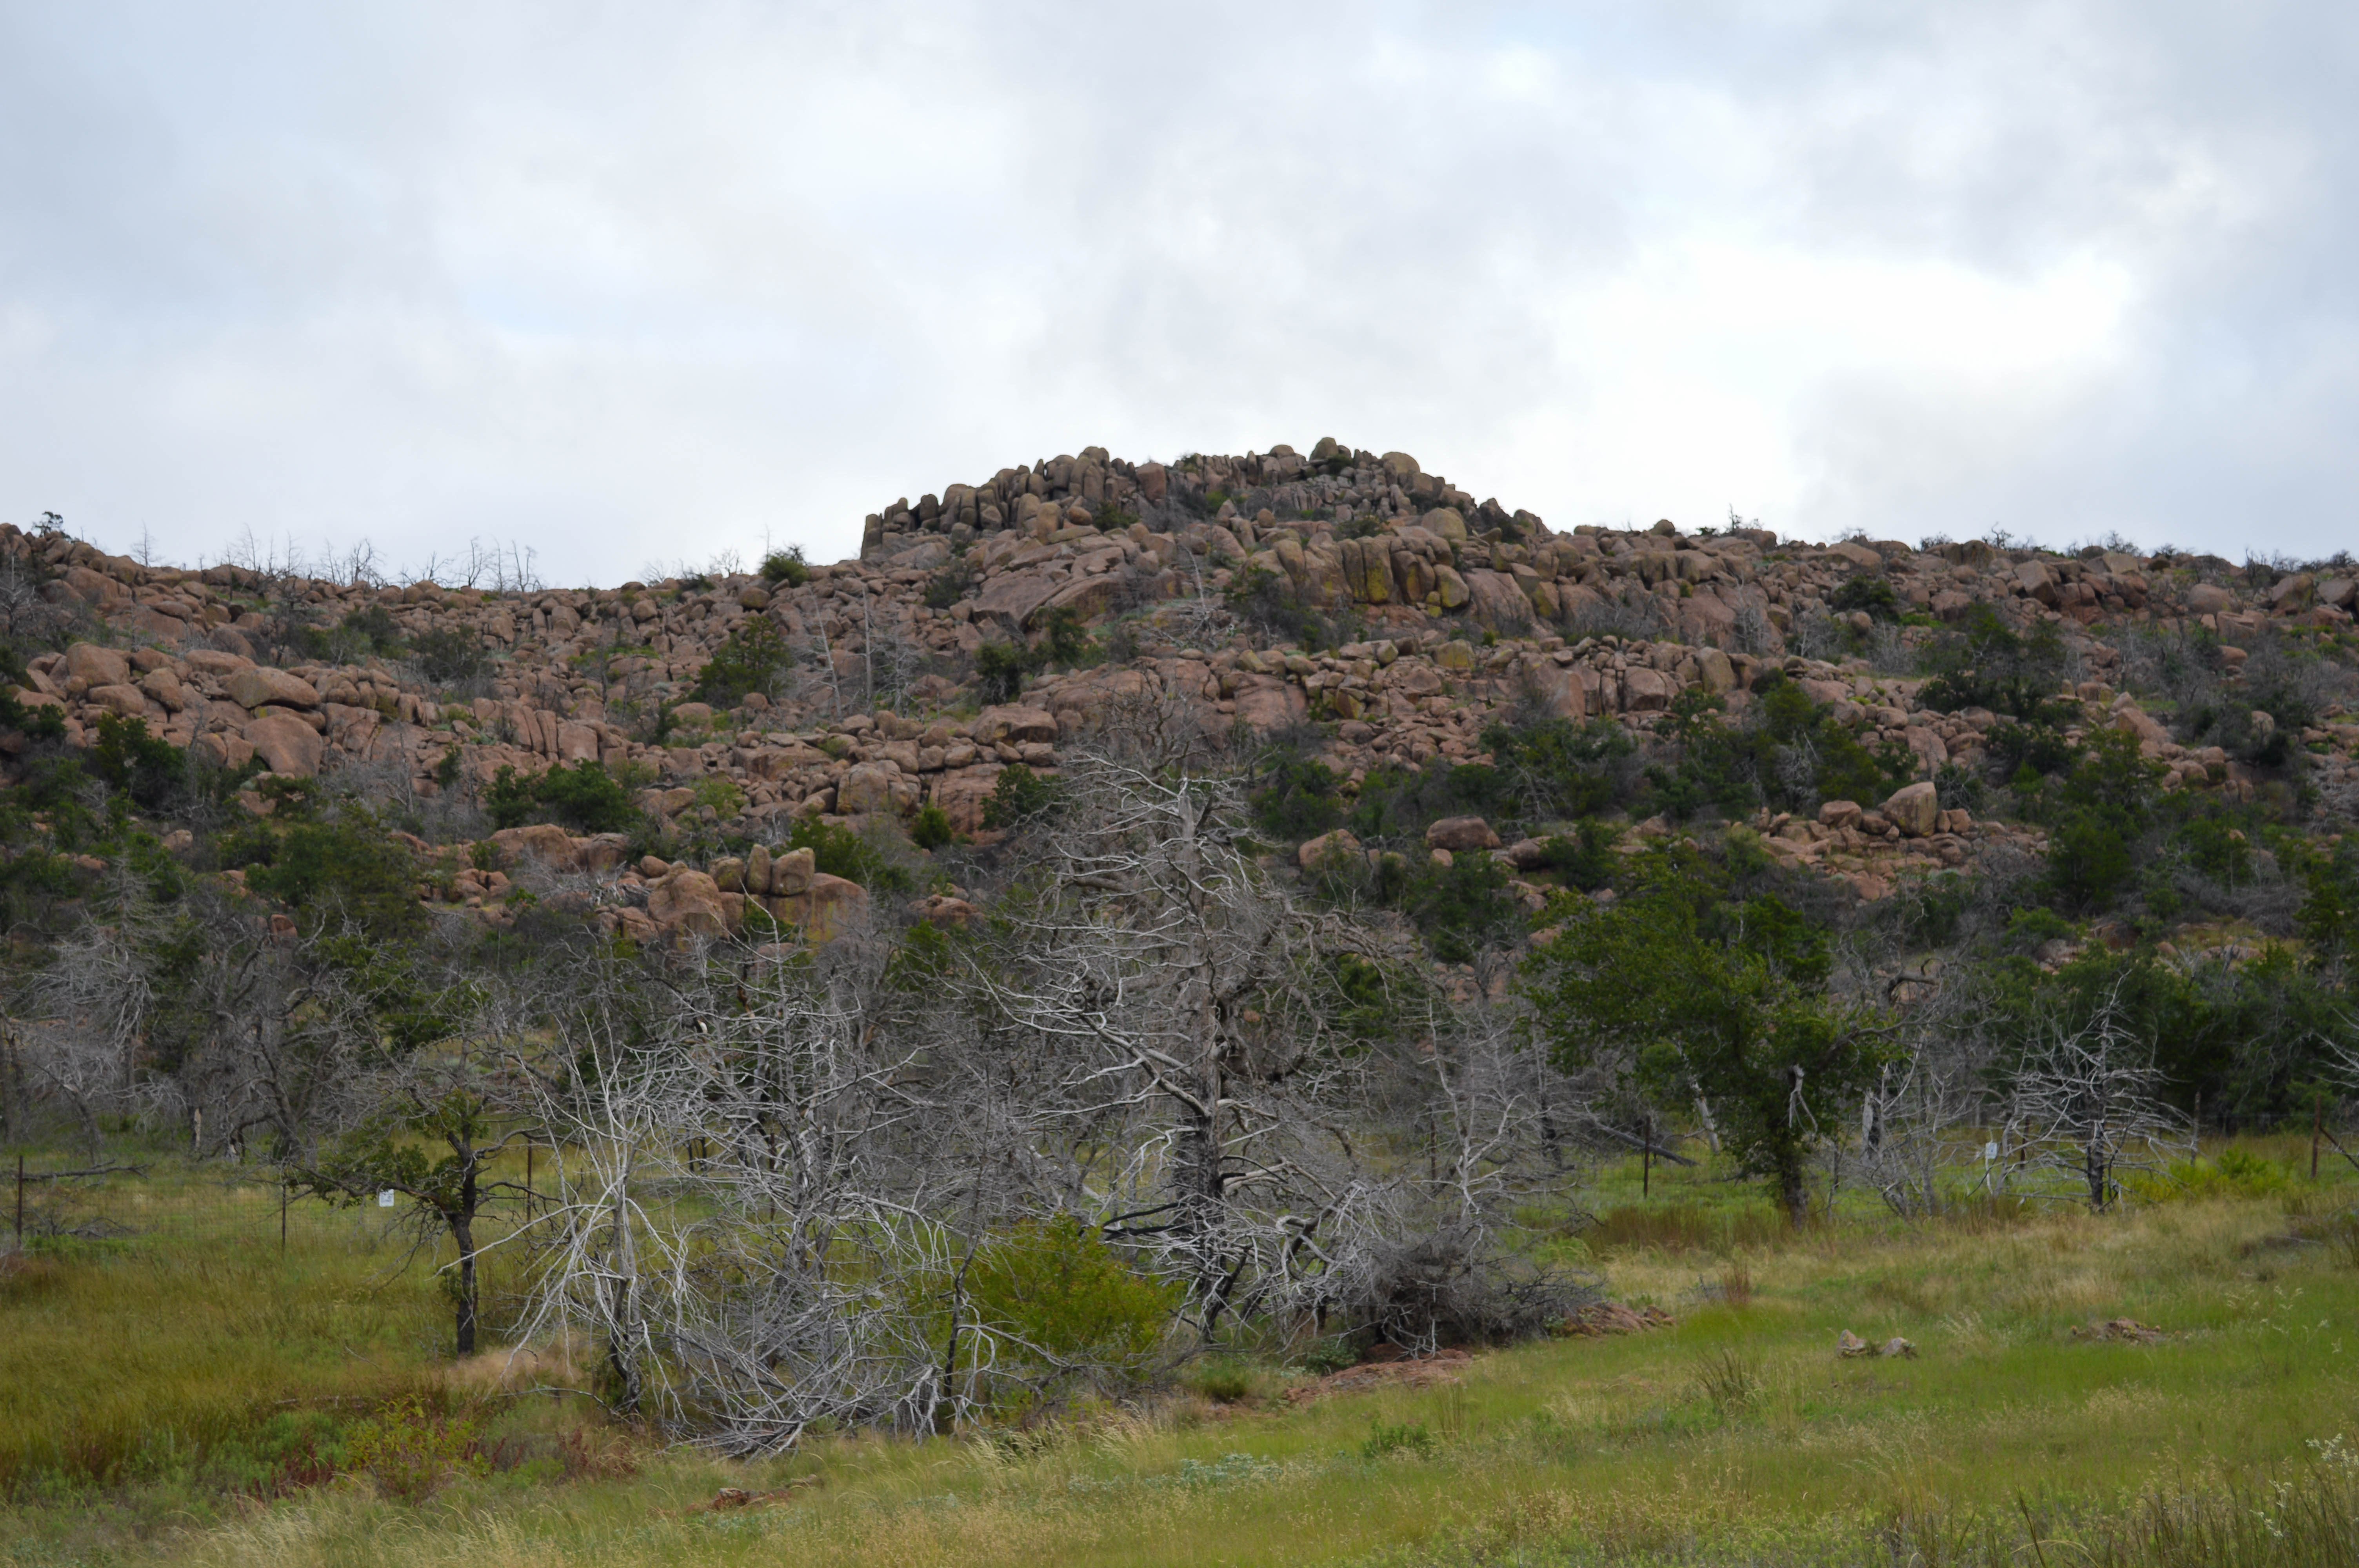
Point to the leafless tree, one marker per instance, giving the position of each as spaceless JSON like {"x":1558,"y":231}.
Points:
{"x":772,"y":1176}
{"x":203,"y":1013}
{"x":1186,"y":1012}
{"x":2084,"y":1103}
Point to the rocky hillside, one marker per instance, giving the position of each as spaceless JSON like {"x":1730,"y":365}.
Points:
{"x":1368,"y":615}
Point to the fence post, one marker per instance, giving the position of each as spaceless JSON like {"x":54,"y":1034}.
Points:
{"x":282,"y":1217}
{"x":2317,"y":1122}
{"x":528,"y":1178}
{"x":20,"y":1203}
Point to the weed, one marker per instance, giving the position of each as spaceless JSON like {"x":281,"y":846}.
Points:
{"x":1411,"y":1438}
{"x":1729,"y":1381}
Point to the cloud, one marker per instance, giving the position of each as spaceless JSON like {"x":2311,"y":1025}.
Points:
{"x":628,"y":286}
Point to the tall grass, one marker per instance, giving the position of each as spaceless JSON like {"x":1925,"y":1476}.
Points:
{"x":176,"y":1338}
{"x":1736,"y":1436}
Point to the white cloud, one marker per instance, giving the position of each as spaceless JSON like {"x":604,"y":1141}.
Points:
{"x":630,"y":285}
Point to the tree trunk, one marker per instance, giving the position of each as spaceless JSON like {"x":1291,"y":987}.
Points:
{"x":1793,"y":1191}
{"x":463,"y":1231}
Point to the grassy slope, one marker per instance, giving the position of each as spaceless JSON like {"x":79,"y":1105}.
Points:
{"x":1615,"y":1444}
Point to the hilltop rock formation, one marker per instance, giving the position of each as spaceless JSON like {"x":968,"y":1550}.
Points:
{"x":1204,"y":578}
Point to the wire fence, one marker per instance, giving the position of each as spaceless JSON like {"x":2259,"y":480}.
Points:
{"x":55,"y":1202}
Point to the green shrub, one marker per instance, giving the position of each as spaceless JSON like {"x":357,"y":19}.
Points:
{"x":1018,"y":796}
{"x":1057,"y":1286}
{"x":1064,"y":640}
{"x":1868,"y":591}
{"x":999,"y":671}
{"x":839,"y":852}
{"x":583,"y":797}
{"x":410,"y":1454}
{"x":1460,"y":908}
{"x":930,"y":828}
{"x":786,"y":566}
{"x":1983,"y":663}
{"x":1224,"y":1382}
{"x":449,"y":655}
{"x":348,"y":867}
{"x":752,"y":658}
{"x":1267,"y":602}
{"x":952,"y":581}
{"x":156,"y":774}
{"x":1556,"y":769}
{"x":1299,"y":798}
{"x":39,"y":721}
{"x":1406,"y":1438}
{"x":364,"y":633}
{"x":1584,"y":858}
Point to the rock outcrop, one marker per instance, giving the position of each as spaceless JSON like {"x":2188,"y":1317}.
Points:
{"x":1451,"y":610}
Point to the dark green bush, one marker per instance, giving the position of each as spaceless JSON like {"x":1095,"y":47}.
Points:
{"x":999,"y":670}
{"x":840,"y":852}
{"x":583,"y":797}
{"x":348,"y":867}
{"x":786,"y":566}
{"x":930,"y":828}
{"x":754,"y":657}
{"x":451,"y":656}
{"x":954,"y":581}
{"x":1983,"y":663}
{"x":156,"y":774}
{"x":1267,"y":602}
{"x":1868,"y":591}
{"x":1298,"y":798}
{"x":1020,"y":795}
{"x":1462,"y":908}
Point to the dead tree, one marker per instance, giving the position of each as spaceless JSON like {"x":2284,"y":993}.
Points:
{"x":2084,"y":1103}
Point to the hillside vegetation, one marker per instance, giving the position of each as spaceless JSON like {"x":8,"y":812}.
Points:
{"x":1141,"y":1003}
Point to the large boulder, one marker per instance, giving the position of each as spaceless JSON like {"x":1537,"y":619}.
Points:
{"x":1266,"y":703}
{"x":95,"y":666}
{"x":1340,"y":844}
{"x":1914,"y":808}
{"x":259,"y":685}
{"x":542,"y":842}
{"x":216,"y":661}
{"x":125,"y":699}
{"x":287,"y":743}
{"x":1007,"y":601}
{"x":790,"y":873}
{"x":829,"y":907}
{"x":577,"y":743}
{"x":1647,"y":690}
{"x":2209,"y":598}
{"x":962,"y":794}
{"x":1497,"y":601}
{"x":875,"y":787}
{"x":688,"y":900}
{"x":1015,"y":724}
{"x":1458,"y":834}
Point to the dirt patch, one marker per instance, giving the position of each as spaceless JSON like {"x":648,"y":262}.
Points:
{"x":1599,"y":1318}
{"x":729,"y":1498}
{"x":1421,"y":1372}
{"x":2119,"y":1330}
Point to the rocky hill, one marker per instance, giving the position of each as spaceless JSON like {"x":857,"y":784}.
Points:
{"x":1368,"y":615}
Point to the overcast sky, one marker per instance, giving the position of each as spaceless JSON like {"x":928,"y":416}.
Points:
{"x":630,"y":285}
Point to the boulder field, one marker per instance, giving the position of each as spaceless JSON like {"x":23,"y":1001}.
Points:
{"x":1439,"y":612}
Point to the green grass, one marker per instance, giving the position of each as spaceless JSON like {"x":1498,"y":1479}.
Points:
{"x":1736,"y":1436}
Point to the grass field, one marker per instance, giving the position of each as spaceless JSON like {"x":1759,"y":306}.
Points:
{"x":168,"y":1397}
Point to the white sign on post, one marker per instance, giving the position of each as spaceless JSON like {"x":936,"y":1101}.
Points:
{"x":384,"y":1199}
